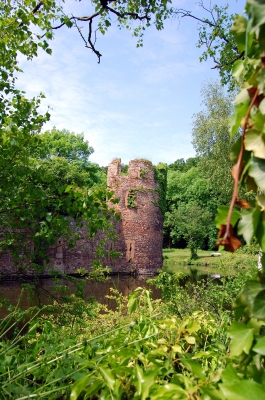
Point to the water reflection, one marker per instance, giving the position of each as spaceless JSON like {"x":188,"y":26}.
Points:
{"x":46,"y":291}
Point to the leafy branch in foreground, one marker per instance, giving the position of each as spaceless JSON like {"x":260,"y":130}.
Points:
{"x":249,"y":150}
{"x":216,"y":36}
{"x":244,"y":377}
{"x":132,"y":15}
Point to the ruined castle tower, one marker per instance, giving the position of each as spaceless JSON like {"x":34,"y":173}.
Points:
{"x":141,"y":224}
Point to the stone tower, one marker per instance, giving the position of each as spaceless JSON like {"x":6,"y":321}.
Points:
{"x":140,"y":228}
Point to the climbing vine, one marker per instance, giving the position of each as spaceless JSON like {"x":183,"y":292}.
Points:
{"x":160,"y":173}
{"x":143,"y":173}
{"x":131,"y":199}
{"x":247,"y":347}
{"x":132,"y":194}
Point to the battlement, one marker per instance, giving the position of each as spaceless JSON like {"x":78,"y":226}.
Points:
{"x":138,"y":169}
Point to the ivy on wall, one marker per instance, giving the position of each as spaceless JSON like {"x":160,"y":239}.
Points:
{"x":131,"y":199}
{"x":160,"y":174}
{"x":143,"y":173}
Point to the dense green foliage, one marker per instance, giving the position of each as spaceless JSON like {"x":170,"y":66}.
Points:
{"x":150,"y":352}
{"x":182,"y":165}
{"x":191,"y":206}
{"x":197,"y":186}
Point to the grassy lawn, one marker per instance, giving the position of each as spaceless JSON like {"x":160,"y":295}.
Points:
{"x":227,"y":263}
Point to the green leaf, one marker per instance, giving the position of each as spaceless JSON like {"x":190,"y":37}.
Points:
{"x":255,"y":324}
{"x":49,"y":217}
{"x":257,"y":12}
{"x":262,"y":106}
{"x":190,"y":339}
{"x":177,"y":348}
{"x":248,"y":224}
{"x":132,"y":304}
{"x":33,"y":327}
{"x":242,"y":97}
{"x":221,"y":217}
{"x":259,"y":305}
{"x":238,"y":68}
{"x":144,"y":380}
{"x":260,"y":346}
{"x":169,"y":392}
{"x":235,"y":121}
{"x":261,"y":201}
{"x":68,"y":188}
{"x":255,"y":141}
{"x":193,"y":326}
{"x":242,"y":338}
{"x":257,"y":171}
{"x":94,"y":388}
{"x":249,"y":293}
{"x":212,"y":393}
{"x":229,"y":375}
{"x":243,"y":390}
{"x":239,"y":28}
{"x":108,"y":377}
{"x":78,"y":387}
{"x":194,"y":367}
{"x":260,"y":233}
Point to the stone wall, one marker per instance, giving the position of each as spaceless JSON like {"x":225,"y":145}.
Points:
{"x":139,"y":230}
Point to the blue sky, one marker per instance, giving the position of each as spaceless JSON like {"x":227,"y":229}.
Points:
{"x":138,"y":102}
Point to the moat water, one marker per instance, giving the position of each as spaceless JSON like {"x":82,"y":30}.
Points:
{"x":46,"y":291}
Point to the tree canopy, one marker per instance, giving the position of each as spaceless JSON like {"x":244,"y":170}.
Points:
{"x":190,"y":208}
{"x":62,"y":143}
{"x":211,"y":139}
